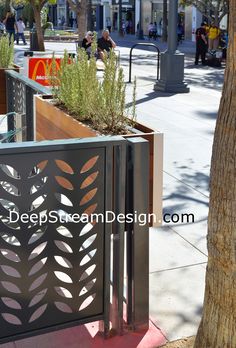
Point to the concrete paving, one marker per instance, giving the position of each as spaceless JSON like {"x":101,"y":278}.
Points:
{"x":178,"y":253}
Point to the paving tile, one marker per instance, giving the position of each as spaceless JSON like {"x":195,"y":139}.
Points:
{"x":87,"y":336}
{"x":176,"y":299}
{"x":168,"y":250}
{"x":181,"y":199}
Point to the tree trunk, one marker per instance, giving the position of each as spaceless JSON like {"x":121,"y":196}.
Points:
{"x":82,"y":19}
{"x":164,"y":21}
{"x":39,"y":29}
{"x":218,"y":325}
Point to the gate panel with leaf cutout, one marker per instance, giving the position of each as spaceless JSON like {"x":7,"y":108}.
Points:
{"x":55,"y":274}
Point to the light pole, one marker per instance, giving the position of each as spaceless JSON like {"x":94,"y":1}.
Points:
{"x":172,"y":61}
{"x":140,"y":29}
{"x":120,"y":18}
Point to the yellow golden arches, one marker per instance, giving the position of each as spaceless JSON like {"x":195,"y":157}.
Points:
{"x":46,"y":67}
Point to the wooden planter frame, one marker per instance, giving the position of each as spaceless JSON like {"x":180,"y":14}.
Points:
{"x":53,"y":123}
{"x":3,"y":101}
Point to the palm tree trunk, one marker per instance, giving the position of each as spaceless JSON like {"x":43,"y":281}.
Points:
{"x":218,"y":325}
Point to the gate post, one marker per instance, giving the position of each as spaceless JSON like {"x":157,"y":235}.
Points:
{"x":137,"y":252}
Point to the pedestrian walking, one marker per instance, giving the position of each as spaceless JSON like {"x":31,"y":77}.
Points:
{"x":10,"y":24}
{"x":20,"y":31}
{"x":201,"y":44}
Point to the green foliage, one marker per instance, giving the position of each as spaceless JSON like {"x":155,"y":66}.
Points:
{"x":6,"y":52}
{"x":99,"y":102}
{"x":28,"y":15}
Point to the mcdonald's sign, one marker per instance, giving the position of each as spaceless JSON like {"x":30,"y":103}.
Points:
{"x":39,"y":69}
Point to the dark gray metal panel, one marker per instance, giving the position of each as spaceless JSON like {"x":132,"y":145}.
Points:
{"x":118,"y":238}
{"x":137,"y":235}
{"x":20,"y":94}
{"x":29,"y":110}
{"x":47,"y":272}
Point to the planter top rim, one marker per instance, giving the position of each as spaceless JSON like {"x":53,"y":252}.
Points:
{"x":146,"y":129}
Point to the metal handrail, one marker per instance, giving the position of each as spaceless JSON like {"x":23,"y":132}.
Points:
{"x":144,"y":44}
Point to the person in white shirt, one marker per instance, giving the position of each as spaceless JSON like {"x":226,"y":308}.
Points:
{"x":20,"y":27}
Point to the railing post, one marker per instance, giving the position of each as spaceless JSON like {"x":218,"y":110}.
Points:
{"x":137,"y":234}
{"x":10,"y":104}
{"x":119,"y":169}
{"x":29,"y":109}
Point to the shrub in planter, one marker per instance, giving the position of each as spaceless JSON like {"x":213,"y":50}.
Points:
{"x":100,"y":103}
{"x":6,"y":62}
{"x":82,"y":100}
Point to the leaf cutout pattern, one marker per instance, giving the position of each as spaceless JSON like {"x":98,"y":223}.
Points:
{"x":65,"y":167}
{"x":63,"y":292}
{"x":11,"y":287}
{"x":38,"y":250}
{"x":8,"y":205}
{"x":64,"y":183}
{"x":89,"y":241}
{"x":63,"y":246}
{"x":10,"y":239}
{"x":63,"y":199}
{"x":12,"y":319}
{"x":10,"y":188}
{"x":38,"y":169}
{"x":10,"y":171}
{"x":89,"y":164}
{"x":37,"y":202}
{"x":87,"y":302}
{"x":67,"y":281}
{"x":90,"y":210}
{"x":89,"y":180}
{"x":11,"y":303}
{"x":38,"y":185}
{"x":37,"y":298}
{"x":87,"y":228}
{"x":38,"y":313}
{"x":10,"y":255}
{"x":62,"y":230}
{"x":62,"y":261}
{"x":63,"y":277}
{"x":87,"y":272}
{"x":7,"y":222}
{"x":37,"y":282}
{"x":37,"y":235}
{"x":88,"y":196}
{"x":63,"y":307}
{"x":12,"y":272}
{"x":38,"y":266}
{"x":87,"y":287}
{"x":88,"y":257}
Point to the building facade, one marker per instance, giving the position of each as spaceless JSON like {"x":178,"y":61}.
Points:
{"x":105,"y":13}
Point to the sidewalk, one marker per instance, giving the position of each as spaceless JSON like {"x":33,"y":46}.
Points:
{"x":178,"y":253}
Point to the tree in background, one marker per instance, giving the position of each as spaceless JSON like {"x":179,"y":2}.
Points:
{"x":28,"y":15}
{"x":37,"y":8}
{"x":80,"y":8}
{"x":211,"y":9}
{"x":218,"y":325}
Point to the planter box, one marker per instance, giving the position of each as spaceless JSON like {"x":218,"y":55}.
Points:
{"x":3,"y":101}
{"x":53,"y":123}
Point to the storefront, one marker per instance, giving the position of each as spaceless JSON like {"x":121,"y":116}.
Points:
{"x":128,"y":15}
